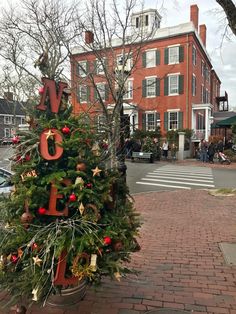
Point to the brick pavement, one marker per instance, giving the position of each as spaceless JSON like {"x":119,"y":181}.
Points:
{"x":180,"y":264}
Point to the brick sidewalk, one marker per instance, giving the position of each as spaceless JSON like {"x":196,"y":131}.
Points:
{"x":181,"y":264}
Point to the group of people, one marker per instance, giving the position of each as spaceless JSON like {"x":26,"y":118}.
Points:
{"x":207,"y":150}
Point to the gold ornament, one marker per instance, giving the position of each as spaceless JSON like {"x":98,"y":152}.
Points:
{"x":81,"y":208}
{"x":20,"y":252}
{"x":35,"y":294}
{"x":117,"y":276}
{"x":28,"y":174}
{"x":96,"y":149}
{"x":96,"y":171}
{"x":37,"y":261}
{"x":79,"y":181}
{"x":93,"y":262}
{"x":49,"y":134}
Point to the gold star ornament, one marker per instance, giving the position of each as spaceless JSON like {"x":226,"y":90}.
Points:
{"x":49,"y":134}
{"x":37,"y":261}
{"x":96,"y":171}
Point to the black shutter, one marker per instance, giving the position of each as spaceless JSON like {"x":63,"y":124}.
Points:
{"x":166,"y":56}
{"x":166,"y":121}
{"x":181,"y":53}
{"x":181,"y":84}
{"x":144,"y":59}
{"x":157,"y":57}
{"x":144,"y":121}
{"x":144,"y":88}
{"x":157,"y":87}
{"x":180,"y":120}
{"x":166,"y":86}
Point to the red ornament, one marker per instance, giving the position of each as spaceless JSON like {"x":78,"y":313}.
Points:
{"x":27,"y":157}
{"x":65,"y":130}
{"x":34,"y":246}
{"x":41,"y":90}
{"x":107,"y":240}
{"x":42,"y":211}
{"x":14,"y":258}
{"x":15,"y":140}
{"x":72,"y":197}
{"x":89,"y":185}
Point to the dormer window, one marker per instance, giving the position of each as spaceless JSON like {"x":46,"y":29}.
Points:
{"x":146,"y":20}
{"x":137,"y":22}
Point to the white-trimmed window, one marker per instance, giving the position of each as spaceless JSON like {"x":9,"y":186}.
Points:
{"x":129,"y":89}
{"x":101,"y":87}
{"x":82,"y":93}
{"x":101,"y":123}
{"x":7,"y":132}
{"x":151,"y":87}
{"x":173,"y":54}
{"x":150,"y":58}
{"x":194,"y":85}
{"x":125,"y":61}
{"x":194,"y":55}
{"x":151,"y":120}
{"x":202,"y":93}
{"x":22,"y":120}
{"x":82,"y":68}
{"x":8,"y":120}
{"x":173,"y":121}
{"x":202,"y":68}
{"x":173,"y":84}
{"x":100,"y":66}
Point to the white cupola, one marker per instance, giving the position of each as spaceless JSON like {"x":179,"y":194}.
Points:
{"x":146,"y":21}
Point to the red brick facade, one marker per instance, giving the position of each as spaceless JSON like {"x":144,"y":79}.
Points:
{"x":186,"y":96}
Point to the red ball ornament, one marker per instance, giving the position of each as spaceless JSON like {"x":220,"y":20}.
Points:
{"x":41,"y":90}
{"x":34,"y":246}
{"x":107,"y":240}
{"x":27,"y":157}
{"x":15,"y":140}
{"x":42,"y":211}
{"x":14,"y":258}
{"x":72,"y":197}
{"x":89,"y":185}
{"x":65,"y":130}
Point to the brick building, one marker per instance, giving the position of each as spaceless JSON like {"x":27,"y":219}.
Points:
{"x":173,"y":84}
{"x":12,"y":115}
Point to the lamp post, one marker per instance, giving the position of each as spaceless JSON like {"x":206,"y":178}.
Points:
{"x":121,"y":73}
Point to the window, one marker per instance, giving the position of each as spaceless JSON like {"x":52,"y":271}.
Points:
{"x":8,"y":120}
{"x":146,"y":20}
{"x":137,"y":22}
{"x":101,"y":123}
{"x":100,"y":66}
{"x":83,"y":93}
{"x":194,"y":85}
{"x":82,"y":68}
{"x":202,"y":94}
{"x":173,"y":84}
{"x":151,"y":87}
{"x":194,"y":55}
{"x":22,"y":120}
{"x":125,"y":60}
{"x":101,"y":89}
{"x":151,"y":58}
{"x":173,"y":121}
{"x":151,"y":120}
{"x":174,"y":55}
{"x":129,"y":89}
{"x":7,"y":132}
{"x":202,"y":68}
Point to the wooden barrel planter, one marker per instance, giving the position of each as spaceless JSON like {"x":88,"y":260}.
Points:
{"x":69,"y":296}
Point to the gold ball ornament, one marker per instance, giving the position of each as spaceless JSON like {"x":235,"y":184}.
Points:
{"x":81,"y":166}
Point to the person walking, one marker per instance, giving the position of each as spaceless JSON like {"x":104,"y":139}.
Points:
{"x":203,"y":150}
{"x":211,"y":152}
{"x":165,"y":148}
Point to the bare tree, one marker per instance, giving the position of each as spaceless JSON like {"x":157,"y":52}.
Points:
{"x":38,"y":34}
{"x":117,"y":49}
{"x":230,"y":11}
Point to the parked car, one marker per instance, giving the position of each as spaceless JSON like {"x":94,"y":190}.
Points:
{"x":6,"y":185}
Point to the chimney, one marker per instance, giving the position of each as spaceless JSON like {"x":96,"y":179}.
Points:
{"x":202,"y":33}
{"x":8,"y":96}
{"x":89,"y":37}
{"x":194,"y":15}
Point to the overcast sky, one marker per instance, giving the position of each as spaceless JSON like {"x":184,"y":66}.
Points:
{"x":222,"y":53}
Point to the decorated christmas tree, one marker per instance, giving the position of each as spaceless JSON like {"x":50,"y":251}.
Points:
{"x":69,"y":217}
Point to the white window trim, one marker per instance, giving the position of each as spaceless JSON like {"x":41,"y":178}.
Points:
{"x":195,"y":63}
{"x":104,"y":84}
{"x":146,"y":119}
{"x":173,"y":46}
{"x":169,"y":75}
{"x":131,"y":90}
{"x":10,"y":117}
{"x":193,"y":91}
{"x":80,"y":87}
{"x":151,"y":50}
{"x":151,"y":96}
{"x":173,"y":111}
{"x":81,"y":72}
{"x":100,"y":63}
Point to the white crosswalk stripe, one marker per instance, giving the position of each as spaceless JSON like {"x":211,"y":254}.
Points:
{"x":179,"y":177}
